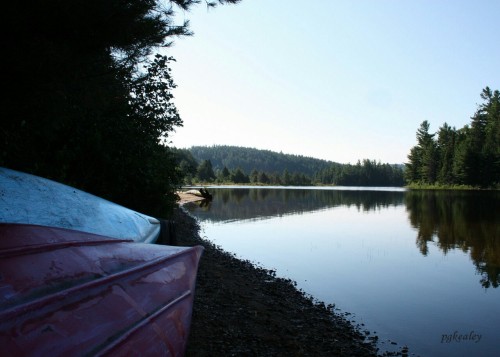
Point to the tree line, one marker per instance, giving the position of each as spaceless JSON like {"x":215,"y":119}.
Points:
{"x":289,"y":170}
{"x":364,"y":173}
{"x":469,"y":156}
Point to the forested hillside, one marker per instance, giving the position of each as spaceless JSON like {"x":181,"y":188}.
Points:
{"x":231,"y":164}
{"x":249,"y":159}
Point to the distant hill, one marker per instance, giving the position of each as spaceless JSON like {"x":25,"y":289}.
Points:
{"x":249,"y":159}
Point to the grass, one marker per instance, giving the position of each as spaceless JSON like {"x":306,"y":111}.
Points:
{"x":436,"y":186}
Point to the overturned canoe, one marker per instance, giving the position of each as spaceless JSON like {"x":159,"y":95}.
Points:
{"x":66,"y":293}
{"x":30,"y":199}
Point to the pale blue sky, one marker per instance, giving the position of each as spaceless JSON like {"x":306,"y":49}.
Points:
{"x":336,"y":80}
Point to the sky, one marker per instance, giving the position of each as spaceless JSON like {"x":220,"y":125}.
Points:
{"x":339,"y":80}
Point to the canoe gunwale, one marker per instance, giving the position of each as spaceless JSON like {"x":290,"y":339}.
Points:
{"x":46,"y":247}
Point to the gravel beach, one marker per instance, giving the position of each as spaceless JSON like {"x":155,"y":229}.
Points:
{"x":243,"y":310}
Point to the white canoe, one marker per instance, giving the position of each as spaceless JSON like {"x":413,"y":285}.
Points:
{"x":29,"y":199}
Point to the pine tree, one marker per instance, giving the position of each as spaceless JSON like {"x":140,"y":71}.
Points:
{"x":263,"y":178}
{"x":238,"y":176}
{"x":446,"y":151}
{"x":225,"y":174}
{"x":468,"y":156}
{"x":205,"y":171}
{"x":254,"y":176}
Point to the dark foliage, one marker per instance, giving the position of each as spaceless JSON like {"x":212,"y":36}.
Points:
{"x":366,"y":173}
{"x":205,"y":171}
{"x":468,"y":223}
{"x":86,"y":104}
{"x":468,"y":156}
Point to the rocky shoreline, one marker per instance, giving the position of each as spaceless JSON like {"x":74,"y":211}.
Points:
{"x":244,"y":310}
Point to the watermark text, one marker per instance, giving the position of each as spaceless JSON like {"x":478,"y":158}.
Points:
{"x":457,"y":337}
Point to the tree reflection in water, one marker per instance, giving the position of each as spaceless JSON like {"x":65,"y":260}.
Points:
{"x":466,"y":220}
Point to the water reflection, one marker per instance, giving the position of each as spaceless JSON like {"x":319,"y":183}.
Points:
{"x":412,"y":265}
{"x":459,"y":220}
{"x":448,"y":219}
{"x":261,"y":203}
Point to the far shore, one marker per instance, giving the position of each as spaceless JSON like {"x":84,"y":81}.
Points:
{"x":410,"y":187}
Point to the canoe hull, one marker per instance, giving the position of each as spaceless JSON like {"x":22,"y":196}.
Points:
{"x":65,"y":292}
{"x":30,"y":199}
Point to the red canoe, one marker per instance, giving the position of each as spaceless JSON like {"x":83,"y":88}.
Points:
{"x":70,"y":293}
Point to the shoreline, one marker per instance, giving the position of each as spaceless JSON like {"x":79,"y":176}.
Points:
{"x":185,"y":197}
{"x":243,"y":309}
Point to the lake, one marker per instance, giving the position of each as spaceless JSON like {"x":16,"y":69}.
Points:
{"x":421,"y":268}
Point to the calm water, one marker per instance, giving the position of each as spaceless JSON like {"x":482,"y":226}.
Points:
{"x":418,"y":268}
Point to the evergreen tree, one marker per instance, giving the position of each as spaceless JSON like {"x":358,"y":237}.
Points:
{"x":186,"y":164}
{"x":469,"y":156}
{"x":225,"y":174}
{"x":413,"y":172}
{"x":446,"y":150}
{"x":422,"y":165}
{"x":485,"y":135}
{"x":238,"y":176}
{"x":286,"y":178}
{"x":428,"y":168}
{"x":254,"y":176}
{"x":263,"y":178}
{"x":461,"y":158}
{"x":205,"y":171}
